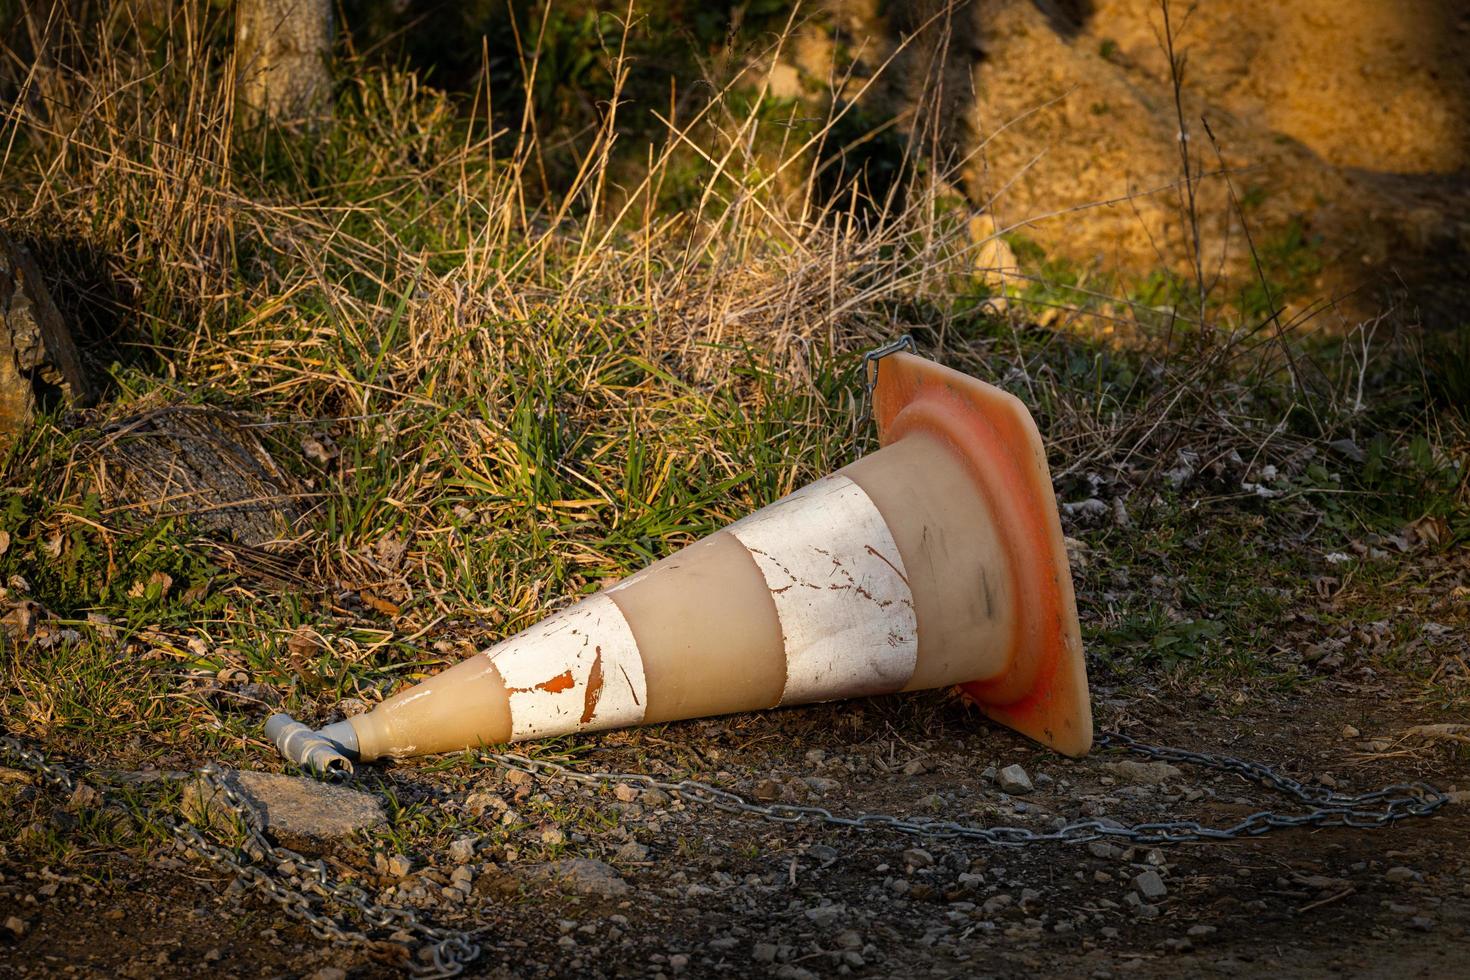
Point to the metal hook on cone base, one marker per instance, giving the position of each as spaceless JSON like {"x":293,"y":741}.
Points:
{"x":328,"y":752}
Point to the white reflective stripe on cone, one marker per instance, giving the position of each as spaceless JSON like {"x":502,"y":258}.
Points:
{"x":576,"y":671}
{"x":840,"y":590}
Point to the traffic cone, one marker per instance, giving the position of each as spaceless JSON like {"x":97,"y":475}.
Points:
{"x":936,"y":560}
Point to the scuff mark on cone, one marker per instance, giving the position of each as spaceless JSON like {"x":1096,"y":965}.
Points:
{"x":555,"y":672}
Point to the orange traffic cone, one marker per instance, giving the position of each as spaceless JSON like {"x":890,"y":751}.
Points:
{"x":936,"y":560}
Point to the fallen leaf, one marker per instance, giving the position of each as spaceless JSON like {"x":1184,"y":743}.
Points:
{"x":319,"y":448}
{"x":1428,"y":530}
{"x":381,"y":605}
{"x":302,"y":643}
{"x":301,"y":647}
{"x":1076,"y":552}
{"x":20,"y":621}
{"x":1449,"y":732}
{"x":391,"y":549}
{"x":162,"y":580}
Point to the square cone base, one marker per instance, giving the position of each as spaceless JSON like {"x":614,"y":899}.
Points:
{"x":1042,"y":693}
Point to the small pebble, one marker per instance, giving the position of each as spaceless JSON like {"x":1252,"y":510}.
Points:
{"x":1150,"y":885}
{"x":996,"y":903}
{"x":632,"y":852}
{"x":825,"y":916}
{"x":1013,"y":779}
{"x":916,"y":857}
{"x":821,"y":784}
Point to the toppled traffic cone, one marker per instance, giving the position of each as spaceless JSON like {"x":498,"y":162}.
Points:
{"x":937,"y":560}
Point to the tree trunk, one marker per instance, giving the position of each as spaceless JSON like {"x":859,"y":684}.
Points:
{"x":283,"y":49}
{"x":38,"y":361}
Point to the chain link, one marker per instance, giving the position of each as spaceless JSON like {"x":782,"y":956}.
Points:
{"x":268,"y":869}
{"x":1329,"y":808}
{"x":55,"y":775}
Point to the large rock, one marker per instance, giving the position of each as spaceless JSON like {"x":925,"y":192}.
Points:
{"x":1062,"y":117}
{"x":1014,"y":779}
{"x":38,"y":361}
{"x":584,"y":876}
{"x":300,"y":813}
{"x":1145,"y":773}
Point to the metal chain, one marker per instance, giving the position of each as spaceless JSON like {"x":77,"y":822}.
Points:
{"x":449,"y":951}
{"x":268,"y":869}
{"x":1330,"y":809}
{"x":866,"y":407}
{"x":57,"y":776}
{"x":870,"y":365}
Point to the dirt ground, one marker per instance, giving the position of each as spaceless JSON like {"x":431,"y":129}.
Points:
{"x":1335,"y":697}
{"x":723,"y":894}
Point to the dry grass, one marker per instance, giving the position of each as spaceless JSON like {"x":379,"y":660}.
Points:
{"x":492,"y":396}
{"x":494,"y":393}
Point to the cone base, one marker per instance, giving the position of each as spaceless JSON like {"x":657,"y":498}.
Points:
{"x":1043,"y":694}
